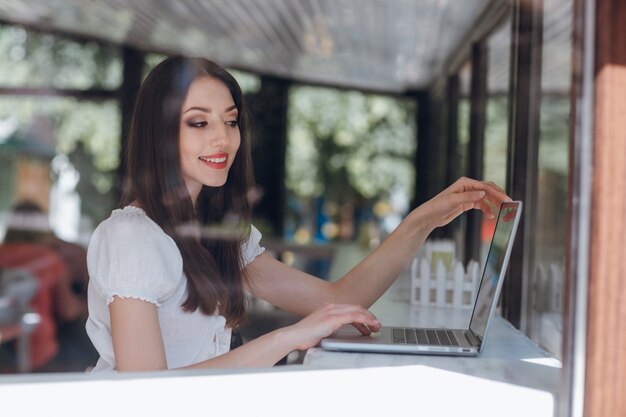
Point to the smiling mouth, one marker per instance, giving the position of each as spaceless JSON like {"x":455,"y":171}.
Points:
{"x":215,"y":161}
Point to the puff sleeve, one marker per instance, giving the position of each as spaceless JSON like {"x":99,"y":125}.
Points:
{"x":130,"y":256}
{"x":251,"y":247}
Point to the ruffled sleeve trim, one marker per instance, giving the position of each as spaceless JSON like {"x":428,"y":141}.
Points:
{"x":132,"y":294}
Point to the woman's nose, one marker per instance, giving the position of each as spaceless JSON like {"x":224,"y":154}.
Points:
{"x":219,"y":137}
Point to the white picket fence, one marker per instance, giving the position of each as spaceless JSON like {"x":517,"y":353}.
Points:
{"x":441,"y":287}
{"x":439,"y":279}
{"x":457,"y":286}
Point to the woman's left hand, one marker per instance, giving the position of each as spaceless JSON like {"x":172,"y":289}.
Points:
{"x":463,"y":195}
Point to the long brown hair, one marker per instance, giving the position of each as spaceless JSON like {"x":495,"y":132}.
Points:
{"x":209,"y":235}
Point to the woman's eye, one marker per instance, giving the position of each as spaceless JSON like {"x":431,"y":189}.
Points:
{"x":232,"y":123}
{"x":197,"y":124}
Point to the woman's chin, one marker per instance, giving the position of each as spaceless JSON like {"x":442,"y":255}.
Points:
{"x":215,"y":183}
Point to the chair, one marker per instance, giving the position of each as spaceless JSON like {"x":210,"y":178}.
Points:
{"x":17,"y":319}
{"x":47,"y":269}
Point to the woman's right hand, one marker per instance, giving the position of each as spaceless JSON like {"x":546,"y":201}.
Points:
{"x":329,"y":318}
{"x":463,"y":195}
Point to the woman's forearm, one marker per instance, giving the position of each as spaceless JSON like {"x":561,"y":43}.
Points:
{"x":264,"y":351}
{"x":268,"y":349}
{"x":373,"y":276}
{"x":369,"y":279}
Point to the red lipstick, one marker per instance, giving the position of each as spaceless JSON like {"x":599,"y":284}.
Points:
{"x":216,"y":161}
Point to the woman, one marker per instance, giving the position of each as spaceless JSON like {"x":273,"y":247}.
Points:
{"x":170,"y":268}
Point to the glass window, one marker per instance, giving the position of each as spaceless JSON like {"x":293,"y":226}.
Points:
{"x":461,"y":161}
{"x":463,"y":123}
{"x":546,"y":298}
{"x":496,"y":118}
{"x":350,"y":167}
{"x":33,"y":59}
{"x":59,"y":157}
{"x":150,"y":61}
{"x":74,"y":147}
{"x":496,"y":121}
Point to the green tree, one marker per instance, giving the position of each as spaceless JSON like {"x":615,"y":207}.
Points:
{"x":79,"y":127}
{"x":348,"y":144}
{"x":349,"y":149}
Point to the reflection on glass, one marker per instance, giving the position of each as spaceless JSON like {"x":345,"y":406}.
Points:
{"x":496,"y":119}
{"x":502,"y":240}
{"x":59,"y":158}
{"x":544,"y":320}
{"x":35,"y":59}
{"x":336,"y":140}
{"x":462,"y":149}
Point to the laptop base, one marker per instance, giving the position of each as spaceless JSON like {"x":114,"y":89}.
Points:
{"x":350,"y":340}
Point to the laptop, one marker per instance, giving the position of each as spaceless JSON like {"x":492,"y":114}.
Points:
{"x":442,"y":341}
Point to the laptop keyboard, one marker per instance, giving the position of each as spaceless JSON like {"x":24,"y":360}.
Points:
{"x":424,"y":337}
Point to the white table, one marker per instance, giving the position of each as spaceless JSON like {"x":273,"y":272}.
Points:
{"x":509,"y":359}
{"x":511,"y":378}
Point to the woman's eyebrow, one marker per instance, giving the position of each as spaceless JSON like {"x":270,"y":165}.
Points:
{"x":204,"y":109}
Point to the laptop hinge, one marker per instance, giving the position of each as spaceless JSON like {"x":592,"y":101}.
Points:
{"x":473,"y":338}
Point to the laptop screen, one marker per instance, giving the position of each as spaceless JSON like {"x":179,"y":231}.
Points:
{"x":495,"y":266}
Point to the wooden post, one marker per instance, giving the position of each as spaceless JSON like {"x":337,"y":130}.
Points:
{"x":605,"y":382}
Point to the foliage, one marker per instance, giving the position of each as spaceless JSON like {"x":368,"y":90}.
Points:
{"x":554,"y":148}
{"x":32,"y":59}
{"x":496,"y":140}
{"x":349,"y":143}
{"x":88,"y":132}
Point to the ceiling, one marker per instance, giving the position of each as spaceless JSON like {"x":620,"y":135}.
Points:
{"x":392,"y":45}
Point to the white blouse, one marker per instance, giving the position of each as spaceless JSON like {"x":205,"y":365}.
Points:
{"x":129,"y":255}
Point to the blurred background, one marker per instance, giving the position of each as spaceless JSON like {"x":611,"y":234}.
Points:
{"x":362,"y":111}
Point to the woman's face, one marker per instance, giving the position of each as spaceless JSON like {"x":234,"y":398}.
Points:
{"x":209,"y":135}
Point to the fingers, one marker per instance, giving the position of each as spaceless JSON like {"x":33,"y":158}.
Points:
{"x":466,"y":194}
{"x":354,"y":314}
{"x":488,"y":209}
{"x":362,"y":328}
{"x":494,"y":195}
{"x":329,"y":318}
{"x":464,"y":201}
{"x":491,"y":206}
{"x":493,"y":191}
{"x":341,"y":314}
{"x":495,"y":187}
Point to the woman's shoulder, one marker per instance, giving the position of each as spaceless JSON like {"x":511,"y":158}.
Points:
{"x":130,"y":255}
{"x":131,"y":224}
{"x":129,"y":220}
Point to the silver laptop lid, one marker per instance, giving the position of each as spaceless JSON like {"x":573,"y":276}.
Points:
{"x":495,"y":267}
